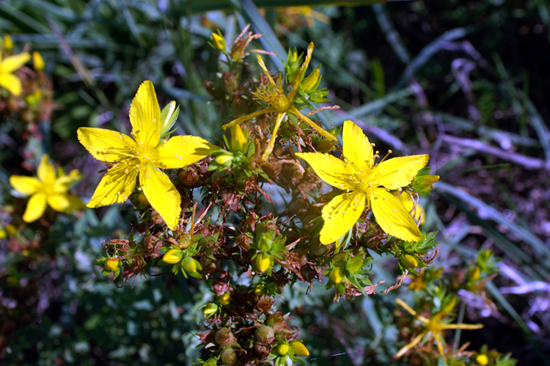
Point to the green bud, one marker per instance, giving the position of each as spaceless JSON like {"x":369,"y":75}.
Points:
{"x":265,"y":243}
{"x":224,"y":159}
{"x":210,"y":309}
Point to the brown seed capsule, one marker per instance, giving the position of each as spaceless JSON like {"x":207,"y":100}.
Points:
{"x":208,"y":266}
{"x":265,"y":333}
{"x":156,"y":218}
{"x":185,"y":240}
{"x":301,"y":256}
{"x":276,"y":321}
{"x":261,"y":349}
{"x":188,"y":176}
{"x":224,"y":337}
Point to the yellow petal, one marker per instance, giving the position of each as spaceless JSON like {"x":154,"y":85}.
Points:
{"x":59,"y":202}
{"x":117,"y":185}
{"x":35,"y":207}
{"x":181,"y":151}
{"x":392,"y":216}
{"x":25,"y":185}
{"x":340,"y":215}
{"x":145,"y":115}
{"x":357,"y":147}
{"x":10,"y":82}
{"x":330,"y":169}
{"x":64,"y":182}
{"x":266,"y":71}
{"x":12,"y":63}
{"x":397,"y":172}
{"x":407,"y":201}
{"x":161,"y":194}
{"x":46,"y":171}
{"x":106,"y":145}
{"x":312,"y":124}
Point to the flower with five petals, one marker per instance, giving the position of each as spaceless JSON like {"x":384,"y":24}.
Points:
{"x":145,"y":155}
{"x":365,"y":182}
{"x":50,"y":188}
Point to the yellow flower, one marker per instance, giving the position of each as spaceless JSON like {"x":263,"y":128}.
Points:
{"x":144,"y":154}
{"x":7,"y":67}
{"x":434,"y":325}
{"x":364,"y":181}
{"x":280,"y":103}
{"x":38,"y":61}
{"x":50,"y":188}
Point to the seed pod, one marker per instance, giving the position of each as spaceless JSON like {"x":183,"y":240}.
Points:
{"x":265,"y":243}
{"x":156,"y":218}
{"x":299,"y":348}
{"x":408,"y":261}
{"x":224,"y":337}
{"x":336,"y":275}
{"x":261,"y":349}
{"x":208,"y":266}
{"x":185,"y":240}
{"x":229,"y":356}
{"x":265,"y":333}
{"x":324,"y":146}
{"x":276,"y":321}
{"x":188,"y":176}
{"x":172,"y":256}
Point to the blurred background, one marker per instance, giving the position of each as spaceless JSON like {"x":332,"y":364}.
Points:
{"x":464,"y":81}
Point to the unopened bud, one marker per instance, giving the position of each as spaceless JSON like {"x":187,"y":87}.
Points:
{"x":172,"y":256}
{"x":189,"y":265}
{"x":265,"y":243}
{"x":483,"y":360}
{"x":311,"y":80}
{"x":225,"y":299}
{"x":238,"y":138}
{"x":218,"y":41}
{"x":283,"y":349}
{"x":336,"y":276}
{"x":263,"y":262}
{"x":210,"y":309}
{"x":474,"y":274}
{"x":112,"y":266}
{"x":224,"y":159}
{"x":299,"y":348}
{"x":38,"y":62}
{"x":8,"y":43}
{"x":408,"y":261}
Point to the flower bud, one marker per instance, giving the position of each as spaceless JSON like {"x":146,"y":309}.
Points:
{"x":299,"y":348}
{"x":210,"y":362}
{"x":224,"y":337}
{"x":112,"y":266}
{"x":189,"y":265}
{"x":224,"y":159}
{"x":336,"y":276}
{"x":311,"y":80}
{"x":482,"y":360}
{"x":263,"y":262}
{"x":408,"y":261}
{"x":38,"y":62}
{"x":259,"y":289}
{"x":210,"y":309}
{"x":172,"y":256}
{"x":142,"y":198}
{"x":225,"y":299}
{"x":265,"y":333}
{"x":283,"y":349}
{"x":229,"y":356}
{"x":238,"y":139}
{"x":474,"y":274}
{"x":8,"y":43}
{"x":265,"y":243}
{"x":218,"y":41}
